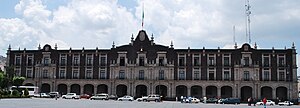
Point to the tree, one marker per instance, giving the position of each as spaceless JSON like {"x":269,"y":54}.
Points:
{"x":26,"y":92}
{"x":3,"y":80}
{"x":18,"y":81}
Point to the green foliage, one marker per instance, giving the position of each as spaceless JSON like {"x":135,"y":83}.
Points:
{"x":10,"y":71}
{"x":18,"y":81}
{"x":15,"y":93}
{"x":3,"y":81}
{"x":26,"y":92}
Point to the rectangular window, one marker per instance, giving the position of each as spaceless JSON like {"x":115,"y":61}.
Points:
{"x":89,"y":73}
{"x":161,"y":74}
{"x":281,"y":60}
{"x":196,"y":60}
{"x":45,"y":74}
{"x":246,"y":61}
{"x":181,"y":61}
{"x":122,"y":74}
{"x":226,"y":74}
{"x":102,"y":73}
{"x":161,"y":61}
{"x":181,"y":74}
{"x":29,"y":60}
{"x":246,"y":76}
{"x":266,"y":61}
{"x":196,"y":74}
{"x":211,"y":74}
{"x":18,"y":60}
{"x":281,"y":75}
{"x":103,"y":60}
{"x":89,"y":59}
{"x":141,"y":75}
{"x":141,"y":61}
{"x":63,"y":59}
{"x":76,"y":60}
{"x":29,"y":73}
{"x":211,"y":60}
{"x":62,"y":73}
{"x":46,"y":61}
{"x":122,"y":61}
{"x":266,"y":75}
{"x":226,"y":61}
{"x":75,"y":74}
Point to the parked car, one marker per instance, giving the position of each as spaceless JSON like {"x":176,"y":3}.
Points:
{"x":126,"y":98}
{"x":269,"y":102}
{"x":54,"y":94}
{"x":231,"y":101}
{"x":212,"y":100}
{"x":102,"y":96}
{"x":85,"y":96}
{"x":143,"y":98}
{"x":152,"y":97}
{"x":42,"y":95}
{"x":70,"y":96}
{"x":287,"y":103}
{"x":112,"y":97}
{"x":194,"y":100}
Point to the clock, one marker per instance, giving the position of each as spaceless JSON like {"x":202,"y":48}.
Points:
{"x":142,"y":36}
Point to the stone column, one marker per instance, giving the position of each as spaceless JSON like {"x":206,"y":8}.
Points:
{"x":68,"y":88}
{"x":274,"y":93}
{"x":81,"y":89}
{"x":219,"y":92}
{"x":204,"y":91}
{"x":95,"y":89}
{"x":188,"y":91}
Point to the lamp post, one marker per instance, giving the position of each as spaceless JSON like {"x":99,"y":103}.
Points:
{"x":289,"y":82}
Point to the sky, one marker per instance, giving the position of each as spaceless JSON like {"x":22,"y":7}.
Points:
{"x":188,"y":23}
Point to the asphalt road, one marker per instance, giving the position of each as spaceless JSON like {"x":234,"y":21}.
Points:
{"x":84,"y":103}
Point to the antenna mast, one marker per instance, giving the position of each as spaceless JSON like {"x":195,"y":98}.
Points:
{"x":234,"y":34}
{"x":247,"y":12}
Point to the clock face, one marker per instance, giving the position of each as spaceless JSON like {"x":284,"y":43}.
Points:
{"x":142,"y":36}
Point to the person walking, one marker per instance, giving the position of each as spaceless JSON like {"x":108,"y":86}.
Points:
{"x":265,"y":102}
{"x":249,"y":101}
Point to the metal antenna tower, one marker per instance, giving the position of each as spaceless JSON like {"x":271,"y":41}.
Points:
{"x":234,"y":34}
{"x":247,"y":20}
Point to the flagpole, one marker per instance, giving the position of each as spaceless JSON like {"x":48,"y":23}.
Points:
{"x":143,"y":18}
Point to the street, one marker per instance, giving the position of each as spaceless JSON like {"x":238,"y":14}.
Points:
{"x":85,"y":103}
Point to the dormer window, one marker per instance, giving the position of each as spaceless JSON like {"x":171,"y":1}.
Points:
{"x":46,"y":60}
{"x":122,"y":61}
{"x":161,"y":61}
{"x":141,"y":61}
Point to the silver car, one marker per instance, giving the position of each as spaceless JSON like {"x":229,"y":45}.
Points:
{"x":125,"y":98}
{"x":102,"y":96}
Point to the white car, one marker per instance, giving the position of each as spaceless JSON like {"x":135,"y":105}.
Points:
{"x":70,"y":96}
{"x":195,"y":100}
{"x":287,"y":103}
{"x":102,"y":96}
{"x":125,"y":98}
{"x":269,"y":102}
{"x":143,"y":98}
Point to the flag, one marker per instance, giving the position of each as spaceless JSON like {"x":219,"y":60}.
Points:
{"x":143,"y":18}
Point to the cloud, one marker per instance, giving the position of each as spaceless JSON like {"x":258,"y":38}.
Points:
{"x":84,"y":23}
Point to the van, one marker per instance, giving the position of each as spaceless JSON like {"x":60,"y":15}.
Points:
{"x":231,"y":101}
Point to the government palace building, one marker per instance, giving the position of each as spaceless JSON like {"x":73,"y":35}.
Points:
{"x":143,"y":67}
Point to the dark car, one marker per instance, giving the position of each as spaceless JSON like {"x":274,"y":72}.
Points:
{"x":231,"y":101}
{"x":212,"y":100}
{"x":54,"y":94}
{"x":85,"y":96}
{"x":112,"y":97}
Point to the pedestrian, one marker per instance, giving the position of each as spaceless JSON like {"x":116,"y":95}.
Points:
{"x":181,"y":99}
{"x":254,"y":101}
{"x":265,"y":102}
{"x":249,"y":101}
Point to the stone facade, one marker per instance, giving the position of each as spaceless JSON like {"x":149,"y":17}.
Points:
{"x":143,"y":67}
